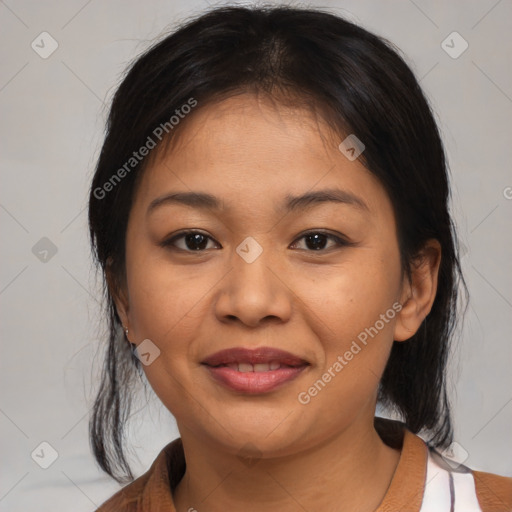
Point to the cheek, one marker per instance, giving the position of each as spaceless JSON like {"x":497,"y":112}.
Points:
{"x":356,"y":332}
{"x":166,"y":306}
{"x":354,"y":297}
{"x":358,"y":313}
{"x":165,"y":300}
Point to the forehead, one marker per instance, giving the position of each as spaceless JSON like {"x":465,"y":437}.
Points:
{"x":248,"y":151}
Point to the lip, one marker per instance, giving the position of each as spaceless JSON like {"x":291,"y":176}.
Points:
{"x":258,"y":380}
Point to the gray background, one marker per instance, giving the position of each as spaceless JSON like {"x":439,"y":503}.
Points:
{"x":53,"y":112}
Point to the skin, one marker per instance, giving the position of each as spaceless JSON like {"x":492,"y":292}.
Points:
{"x":250,"y":153}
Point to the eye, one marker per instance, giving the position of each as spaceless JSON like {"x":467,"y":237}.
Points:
{"x":196,"y":241}
{"x":191,"y":241}
{"x":317,"y":240}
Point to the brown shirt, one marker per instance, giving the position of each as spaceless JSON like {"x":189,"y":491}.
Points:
{"x":152,"y":492}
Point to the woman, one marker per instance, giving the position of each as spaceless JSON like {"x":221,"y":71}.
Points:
{"x":270,"y":213}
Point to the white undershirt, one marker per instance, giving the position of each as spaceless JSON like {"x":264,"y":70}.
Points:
{"x":448,"y":489}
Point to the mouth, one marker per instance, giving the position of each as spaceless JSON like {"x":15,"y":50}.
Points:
{"x":254,"y":371}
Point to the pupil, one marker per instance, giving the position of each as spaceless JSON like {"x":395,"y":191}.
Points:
{"x":197,"y":240}
{"x":317,"y":241}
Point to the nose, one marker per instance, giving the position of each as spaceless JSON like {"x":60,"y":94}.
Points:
{"x":254,"y":292}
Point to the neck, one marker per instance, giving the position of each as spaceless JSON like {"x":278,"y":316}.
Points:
{"x":351,"y":471}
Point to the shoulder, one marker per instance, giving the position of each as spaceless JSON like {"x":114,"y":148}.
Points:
{"x":128,"y":498}
{"x":494,"y":492}
{"x":427,"y":480}
{"x":152,"y":490}
{"x":463,"y":489}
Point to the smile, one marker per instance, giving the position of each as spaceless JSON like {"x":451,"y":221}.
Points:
{"x":254,"y":371}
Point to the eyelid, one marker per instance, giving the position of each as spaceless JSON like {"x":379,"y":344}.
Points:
{"x":168,"y":242}
{"x":341,"y":240}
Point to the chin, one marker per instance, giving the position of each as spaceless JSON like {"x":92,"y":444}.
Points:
{"x":269,"y":435}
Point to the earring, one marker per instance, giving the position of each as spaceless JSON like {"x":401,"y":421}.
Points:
{"x":125,"y":331}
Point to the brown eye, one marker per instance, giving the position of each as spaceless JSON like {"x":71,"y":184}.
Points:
{"x":189,"y":241}
{"x":196,"y":241}
{"x":317,"y":240}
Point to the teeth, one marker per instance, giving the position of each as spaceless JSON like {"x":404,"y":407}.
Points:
{"x":261,"y":367}
{"x":258,"y":367}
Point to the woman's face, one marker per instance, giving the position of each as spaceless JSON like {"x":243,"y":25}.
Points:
{"x":254,"y":279}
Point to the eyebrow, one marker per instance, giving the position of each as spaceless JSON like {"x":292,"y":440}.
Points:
{"x":291,"y":203}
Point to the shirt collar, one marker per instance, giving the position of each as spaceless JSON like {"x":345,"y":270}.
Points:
{"x":153,"y":490}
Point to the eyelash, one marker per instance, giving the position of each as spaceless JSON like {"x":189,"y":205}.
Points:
{"x":341,"y":242}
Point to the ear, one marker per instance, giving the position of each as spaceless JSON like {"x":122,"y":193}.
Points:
{"x":418,"y":292}
{"x":118,"y":292}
